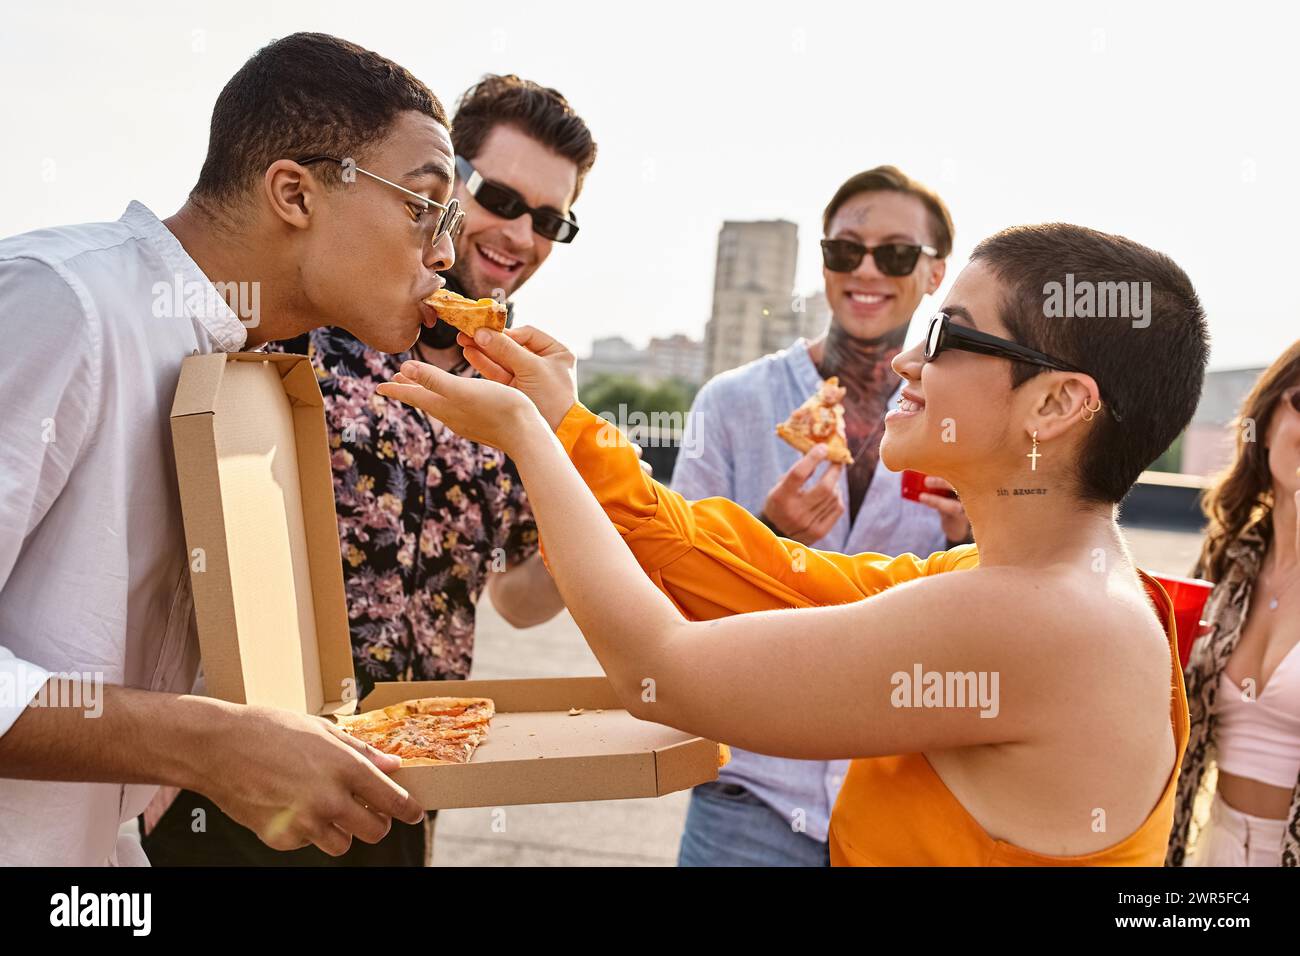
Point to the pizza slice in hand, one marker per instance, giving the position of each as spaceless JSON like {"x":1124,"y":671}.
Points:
{"x":467,"y":315}
{"x":820,"y":421}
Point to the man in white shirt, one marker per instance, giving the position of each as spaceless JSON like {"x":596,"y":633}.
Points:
{"x":97,"y":648}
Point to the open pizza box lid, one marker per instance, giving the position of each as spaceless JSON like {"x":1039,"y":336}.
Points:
{"x":253,"y":467}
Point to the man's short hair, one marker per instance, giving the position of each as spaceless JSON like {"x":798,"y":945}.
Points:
{"x":306,"y":94}
{"x":537,"y":111}
{"x":1150,"y":369}
{"x":893,"y":179}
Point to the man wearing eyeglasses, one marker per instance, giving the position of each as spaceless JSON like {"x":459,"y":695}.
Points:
{"x":521,"y":156}
{"x":97,"y":651}
{"x":429,"y":520}
{"x":886,"y":242}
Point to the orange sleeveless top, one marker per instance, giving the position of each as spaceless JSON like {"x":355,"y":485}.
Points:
{"x":896,"y":811}
{"x":713,"y":559}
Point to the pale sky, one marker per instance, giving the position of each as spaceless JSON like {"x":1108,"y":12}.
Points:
{"x":1165,"y":122}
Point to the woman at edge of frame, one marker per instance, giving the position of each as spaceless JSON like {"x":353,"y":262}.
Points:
{"x":1243,"y":676}
{"x":1042,"y":418}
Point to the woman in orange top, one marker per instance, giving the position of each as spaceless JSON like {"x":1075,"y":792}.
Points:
{"x":1026,"y":711}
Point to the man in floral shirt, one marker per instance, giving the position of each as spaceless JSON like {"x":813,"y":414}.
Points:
{"x":429,"y":520}
{"x":425,"y":517}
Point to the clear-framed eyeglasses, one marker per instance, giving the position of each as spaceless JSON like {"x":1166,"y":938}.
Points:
{"x":419,"y":208}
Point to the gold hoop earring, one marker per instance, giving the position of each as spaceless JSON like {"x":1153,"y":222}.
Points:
{"x":1034,"y":454}
{"x":1091,"y":411}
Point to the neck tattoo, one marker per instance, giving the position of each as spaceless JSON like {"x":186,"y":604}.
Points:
{"x":863,"y":367}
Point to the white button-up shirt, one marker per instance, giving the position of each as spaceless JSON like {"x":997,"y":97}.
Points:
{"x":94,"y":582}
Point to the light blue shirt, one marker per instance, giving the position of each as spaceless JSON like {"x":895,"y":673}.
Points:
{"x":730,"y":450}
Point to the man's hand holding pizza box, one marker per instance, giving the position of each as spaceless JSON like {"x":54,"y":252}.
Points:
{"x":94,"y":570}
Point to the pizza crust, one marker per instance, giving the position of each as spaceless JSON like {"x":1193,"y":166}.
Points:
{"x":836,"y":450}
{"x":468,"y":315}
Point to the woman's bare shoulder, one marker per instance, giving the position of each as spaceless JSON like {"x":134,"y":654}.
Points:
{"x":1093,"y":622}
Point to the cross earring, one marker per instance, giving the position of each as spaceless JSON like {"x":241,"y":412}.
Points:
{"x":1033,"y":455}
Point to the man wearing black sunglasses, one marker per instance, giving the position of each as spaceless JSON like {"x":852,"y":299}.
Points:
{"x":521,"y":157}
{"x":887,"y":238}
{"x":886,"y":243}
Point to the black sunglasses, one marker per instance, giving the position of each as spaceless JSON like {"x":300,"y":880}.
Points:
{"x":505,"y":202}
{"x":943,"y":334}
{"x":892,"y":258}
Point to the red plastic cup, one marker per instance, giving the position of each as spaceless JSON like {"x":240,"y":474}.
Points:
{"x":914,"y":486}
{"x":1189,"y":596}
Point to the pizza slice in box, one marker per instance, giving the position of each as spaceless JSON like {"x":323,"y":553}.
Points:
{"x":820,"y":421}
{"x":430,"y":730}
{"x":467,"y":315}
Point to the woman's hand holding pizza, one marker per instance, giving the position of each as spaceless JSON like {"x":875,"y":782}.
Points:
{"x":524,"y":372}
{"x":475,"y":408}
{"x":529,"y":360}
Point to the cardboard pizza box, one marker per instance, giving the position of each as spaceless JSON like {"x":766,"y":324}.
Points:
{"x":538,"y":751}
{"x":252,"y":463}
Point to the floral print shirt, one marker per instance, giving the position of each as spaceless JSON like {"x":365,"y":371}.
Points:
{"x":424,"y":517}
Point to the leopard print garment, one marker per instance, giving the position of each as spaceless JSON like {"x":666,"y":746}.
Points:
{"x":1226,"y":611}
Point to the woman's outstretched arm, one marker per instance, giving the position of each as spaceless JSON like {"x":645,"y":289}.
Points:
{"x":711,"y":557}
{"x":682,"y":544}
{"x":813,"y":683}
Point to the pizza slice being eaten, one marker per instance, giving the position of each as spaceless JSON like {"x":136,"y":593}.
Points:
{"x":430,"y":730}
{"x":820,"y":421}
{"x":467,"y":315}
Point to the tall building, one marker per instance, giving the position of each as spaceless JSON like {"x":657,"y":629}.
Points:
{"x":755,"y":310}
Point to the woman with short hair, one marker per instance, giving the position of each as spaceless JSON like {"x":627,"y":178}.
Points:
{"x":1022,"y":705}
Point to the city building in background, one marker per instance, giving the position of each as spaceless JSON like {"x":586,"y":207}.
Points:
{"x":611,"y":355}
{"x":678,"y":357}
{"x":755,"y":310}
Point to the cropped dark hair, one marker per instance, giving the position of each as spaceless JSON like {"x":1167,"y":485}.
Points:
{"x":893,"y":179}
{"x":306,"y":94}
{"x":1151,"y":369}
{"x":537,"y":111}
